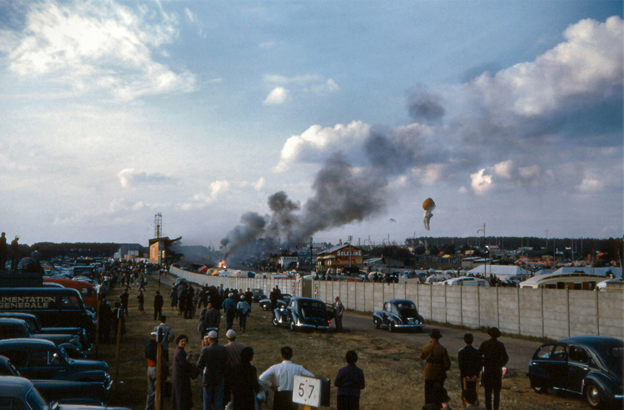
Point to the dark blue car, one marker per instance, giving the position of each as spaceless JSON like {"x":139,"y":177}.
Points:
{"x":586,"y":365}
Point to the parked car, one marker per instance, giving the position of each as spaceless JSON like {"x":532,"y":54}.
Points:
{"x":41,"y":359}
{"x":399,"y":314}
{"x":464,"y":281}
{"x":587,"y":365}
{"x":258,"y":295}
{"x":302,"y":313}
{"x":35,"y":328}
{"x":61,"y":391}
{"x":265,"y":304}
{"x":20,"y":393}
{"x":11,"y":328}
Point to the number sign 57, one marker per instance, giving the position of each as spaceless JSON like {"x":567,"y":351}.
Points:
{"x":307,"y":391}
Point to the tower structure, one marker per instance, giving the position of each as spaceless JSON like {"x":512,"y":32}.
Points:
{"x":158,"y":225}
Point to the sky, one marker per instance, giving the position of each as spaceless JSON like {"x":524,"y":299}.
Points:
{"x":327,"y":119}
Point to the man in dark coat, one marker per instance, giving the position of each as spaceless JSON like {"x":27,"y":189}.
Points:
{"x":14,"y":254}
{"x":106,"y":320}
{"x":181,"y":393}
{"x":158,"y":305}
{"x":213,"y":359}
{"x":437,"y":364}
{"x":494,"y":358}
{"x":470,"y":364}
{"x":229,"y":306}
{"x":124,"y":301}
{"x":3,"y":251}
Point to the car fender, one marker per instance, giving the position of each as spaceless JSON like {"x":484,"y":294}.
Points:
{"x":394,"y":319}
{"x":538,"y":376}
{"x":608,"y":385}
{"x":86,"y":375}
{"x":378,"y":316}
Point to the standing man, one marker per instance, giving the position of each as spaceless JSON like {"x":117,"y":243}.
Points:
{"x":339,"y":310}
{"x":243,"y":309}
{"x":470,"y":364}
{"x":213,"y":360}
{"x":494,"y":358}
{"x":234,"y":350}
{"x":437,"y":364}
{"x":3,"y":251}
{"x":349,"y":380}
{"x":151,"y":354}
{"x":14,"y":254}
{"x":229,"y":306}
{"x":159,"y":301}
{"x":124,"y":301}
{"x":280,"y":378}
{"x":168,"y":337}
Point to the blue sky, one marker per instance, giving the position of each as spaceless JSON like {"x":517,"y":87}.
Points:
{"x":506,"y":113}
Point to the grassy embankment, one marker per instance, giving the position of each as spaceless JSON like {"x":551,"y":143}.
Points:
{"x":393,"y":372}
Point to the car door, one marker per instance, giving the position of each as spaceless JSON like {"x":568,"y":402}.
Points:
{"x":558,"y":366}
{"x":579,"y":364}
{"x":46,"y":364}
{"x":387,"y":310}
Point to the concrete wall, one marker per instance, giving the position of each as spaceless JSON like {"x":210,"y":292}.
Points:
{"x":551,"y":313}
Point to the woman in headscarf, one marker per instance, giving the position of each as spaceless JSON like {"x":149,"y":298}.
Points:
{"x":181,"y":377}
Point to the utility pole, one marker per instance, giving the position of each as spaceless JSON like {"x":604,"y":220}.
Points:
{"x":484,"y":248}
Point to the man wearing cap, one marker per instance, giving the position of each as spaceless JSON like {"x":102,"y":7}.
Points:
{"x":229,"y":306}
{"x":437,"y":364}
{"x":243,"y":309}
{"x":168,"y":336}
{"x":494,"y":358}
{"x":234,"y":350}
{"x":213,"y":361}
{"x":280,"y":378}
{"x":14,"y":253}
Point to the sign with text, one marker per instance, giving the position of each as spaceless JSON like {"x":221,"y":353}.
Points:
{"x":307,"y":390}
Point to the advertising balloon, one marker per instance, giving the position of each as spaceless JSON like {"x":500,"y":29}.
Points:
{"x":428,"y":206}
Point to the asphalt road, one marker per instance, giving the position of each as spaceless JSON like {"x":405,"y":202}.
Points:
{"x":519,"y":351}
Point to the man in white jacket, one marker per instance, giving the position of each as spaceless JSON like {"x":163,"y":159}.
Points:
{"x":280,"y":378}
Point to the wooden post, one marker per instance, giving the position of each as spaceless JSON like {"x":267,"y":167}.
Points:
{"x":119,"y":318}
{"x":97,"y":327}
{"x":159,"y":360}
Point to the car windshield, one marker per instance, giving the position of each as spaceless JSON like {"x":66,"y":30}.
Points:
{"x":35,"y":400}
{"x":615,"y":359}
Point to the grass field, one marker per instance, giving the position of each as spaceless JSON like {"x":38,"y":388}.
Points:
{"x":394,"y":374}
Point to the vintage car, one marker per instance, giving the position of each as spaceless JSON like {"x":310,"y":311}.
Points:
{"x":61,"y":391}
{"x":41,"y":359}
{"x":258,"y":295}
{"x":265,"y":304}
{"x":302,"y":313}
{"x":399,"y":314}
{"x":587,"y":365}
{"x":20,"y":393}
{"x":11,"y":328}
{"x":35,"y":328}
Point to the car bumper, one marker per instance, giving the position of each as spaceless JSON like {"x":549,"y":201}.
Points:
{"x":619,"y":397}
{"x":410,"y":326}
{"x":305,"y":326}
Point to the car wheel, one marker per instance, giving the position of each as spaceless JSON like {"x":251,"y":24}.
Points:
{"x":275,"y":322}
{"x":292,"y":325}
{"x":593,"y":395}
{"x":391,"y":327}
{"x":377,"y":324}
{"x":540,"y":389}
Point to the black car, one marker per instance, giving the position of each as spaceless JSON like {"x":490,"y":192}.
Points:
{"x":302,"y":313}
{"x":258,"y":295}
{"x":11,"y":328}
{"x":399,"y":314}
{"x":41,"y":359}
{"x":587,"y":365}
{"x":35,"y":328}
{"x":20,"y":393}
{"x":265,"y":304}
{"x":61,"y":391}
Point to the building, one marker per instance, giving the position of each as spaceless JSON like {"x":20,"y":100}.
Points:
{"x":341,"y":256}
{"x":158,"y":248}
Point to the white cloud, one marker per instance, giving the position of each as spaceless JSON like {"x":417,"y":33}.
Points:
{"x":504,"y":169}
{"x":277,"y":96}
{"x":318,"y":143}
{"x":307,"y":83}
{"x":260,"y":184}
{"x":190,"y":15}
{"x":97,"y":46}
{"x":129,"y":177}
{"x":588,"y":63}
{"x":202,"y":199}
{"x":480,"y":182}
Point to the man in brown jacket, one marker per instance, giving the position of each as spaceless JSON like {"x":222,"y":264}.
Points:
{"x":437,"y":364}
{"x":494,"y":358}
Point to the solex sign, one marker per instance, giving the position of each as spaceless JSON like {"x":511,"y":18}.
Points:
{"x":311,"y":391}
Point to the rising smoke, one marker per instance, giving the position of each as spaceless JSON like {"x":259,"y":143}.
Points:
{"x":342,"y":194}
